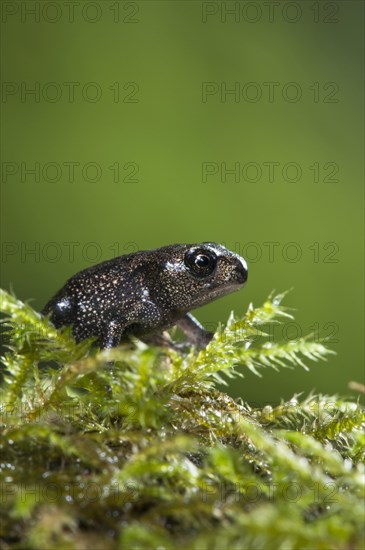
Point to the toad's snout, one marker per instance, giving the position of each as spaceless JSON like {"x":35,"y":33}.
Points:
{"x":240,"y":270}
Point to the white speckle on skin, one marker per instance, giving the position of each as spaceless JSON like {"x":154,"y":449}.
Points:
{"x":175,"y":266}
{"x":63,"y":304}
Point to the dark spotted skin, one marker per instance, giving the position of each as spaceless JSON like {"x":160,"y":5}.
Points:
{"x":144,"y":293}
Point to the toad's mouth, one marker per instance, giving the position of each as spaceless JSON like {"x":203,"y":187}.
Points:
{"x":218,"y":292}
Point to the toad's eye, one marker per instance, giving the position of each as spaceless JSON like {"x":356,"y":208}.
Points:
{"x":200,"y":262}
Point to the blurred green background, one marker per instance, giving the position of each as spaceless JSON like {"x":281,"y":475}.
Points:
{"x":131,"y":133}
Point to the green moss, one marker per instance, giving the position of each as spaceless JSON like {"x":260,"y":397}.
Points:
{"x":136,"y":448}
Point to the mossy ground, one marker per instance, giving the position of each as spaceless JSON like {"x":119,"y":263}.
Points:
{"x":136,"y":448}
